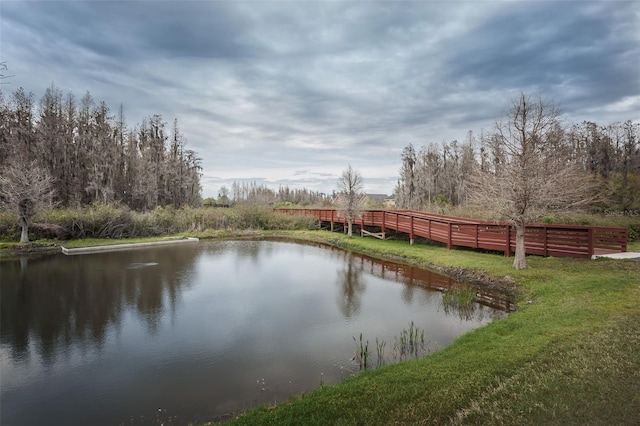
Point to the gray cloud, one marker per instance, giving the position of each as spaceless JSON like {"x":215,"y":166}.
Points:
{"x":290,"y":93}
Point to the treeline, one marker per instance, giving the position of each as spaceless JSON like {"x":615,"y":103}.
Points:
{"x":253,"y":193}
{"x":91,"y":154}
{"x":438,"y":174}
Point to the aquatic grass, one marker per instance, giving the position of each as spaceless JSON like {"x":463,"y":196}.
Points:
{"x":362,"y":353}
{"x":463,"y":296}
{"x":460,"y":301}
{"x":410,"y":342}
{"x":380,"y":345}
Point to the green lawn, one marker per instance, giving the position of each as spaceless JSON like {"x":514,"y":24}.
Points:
{"x":570,"y":355}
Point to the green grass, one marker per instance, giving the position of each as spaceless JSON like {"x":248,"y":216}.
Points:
{"x":570,"y":355}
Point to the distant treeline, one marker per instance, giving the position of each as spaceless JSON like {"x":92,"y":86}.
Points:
{"x":253,"y":193}
{"x":438,"y":174}
{"x":91,"y":154}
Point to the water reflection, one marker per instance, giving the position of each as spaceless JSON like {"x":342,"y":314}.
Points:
{"x":351,"y":284}
{"x":204,"y":330}
{"x":57,"y":301}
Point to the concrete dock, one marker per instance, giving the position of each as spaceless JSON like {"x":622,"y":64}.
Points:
{"x":118,"y":247}
{"x":626,"y":255}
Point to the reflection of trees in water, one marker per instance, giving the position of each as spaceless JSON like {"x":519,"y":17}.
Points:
{"x":248,"y":250}
{"x":351,"y":284}
{"x":58,"y":301}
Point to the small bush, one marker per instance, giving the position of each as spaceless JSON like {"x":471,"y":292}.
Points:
{"x":9,"y":229}
{"x":95,"y":221}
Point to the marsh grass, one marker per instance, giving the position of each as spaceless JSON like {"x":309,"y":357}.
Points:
{"x":410,"y":343}
{"x":362,"y":353}
{"x":464,"y":296}
{"x":114,"y":221}
{"x":460,"y":301}
{"x":380,"y":345}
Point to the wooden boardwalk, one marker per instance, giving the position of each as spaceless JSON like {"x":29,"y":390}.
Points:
{"x":540,"y":239}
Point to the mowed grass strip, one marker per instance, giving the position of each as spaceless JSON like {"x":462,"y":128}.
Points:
{"x":570,"y":355}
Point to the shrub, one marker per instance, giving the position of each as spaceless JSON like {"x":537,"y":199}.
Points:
{"x":117,"y":221}
{"x":9,"y":229}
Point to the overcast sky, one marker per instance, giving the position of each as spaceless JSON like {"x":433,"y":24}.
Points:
{"x":291,"y":93}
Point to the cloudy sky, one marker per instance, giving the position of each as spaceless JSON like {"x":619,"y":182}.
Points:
{"x":292,"y":92}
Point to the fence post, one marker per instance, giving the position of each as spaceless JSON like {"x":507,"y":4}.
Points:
{"x":384,"y":216}
{"x":449,"y":236}
{"x":477,"y":232}
{"x":507,"y":249}
{"x":411,"y":236}
{"x":591,"y":242}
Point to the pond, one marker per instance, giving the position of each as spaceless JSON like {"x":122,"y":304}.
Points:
{"x":202,"y":331}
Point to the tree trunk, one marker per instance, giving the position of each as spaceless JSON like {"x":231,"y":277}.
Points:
{"x":24,"y":235}
{"x":350,"y":227}
{"x":520,"y":259}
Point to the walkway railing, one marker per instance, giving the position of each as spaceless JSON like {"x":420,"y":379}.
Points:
{"x":540,"y":239}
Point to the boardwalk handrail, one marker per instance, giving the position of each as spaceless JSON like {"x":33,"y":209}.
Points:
{"x":540,"y":239}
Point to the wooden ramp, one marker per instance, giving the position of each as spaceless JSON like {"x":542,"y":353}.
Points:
{"x":544,"y":240}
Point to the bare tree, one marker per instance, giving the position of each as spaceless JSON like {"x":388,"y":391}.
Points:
{"x":406,"y":189}
{"x":351,"y":198}
{"x":535,"y":175}
{"x":24,"y":189}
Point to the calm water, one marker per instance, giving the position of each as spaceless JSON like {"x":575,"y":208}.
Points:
{"x":196,"y":332}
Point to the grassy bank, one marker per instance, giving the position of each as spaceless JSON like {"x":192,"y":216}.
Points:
{"x":570,"y":355}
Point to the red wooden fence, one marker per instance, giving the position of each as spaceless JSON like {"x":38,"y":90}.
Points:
{"x":540,"y":239}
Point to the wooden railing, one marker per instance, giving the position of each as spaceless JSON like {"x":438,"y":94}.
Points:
{"x":540,"y":239}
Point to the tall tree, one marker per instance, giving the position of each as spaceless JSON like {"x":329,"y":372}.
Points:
{"x":50,"y":137}
{"x":406,"y":189}
{"x":22,"y":125}
{"x":533,"y":175}
{"x":6,"y":149}
{"x":351,"y":198}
